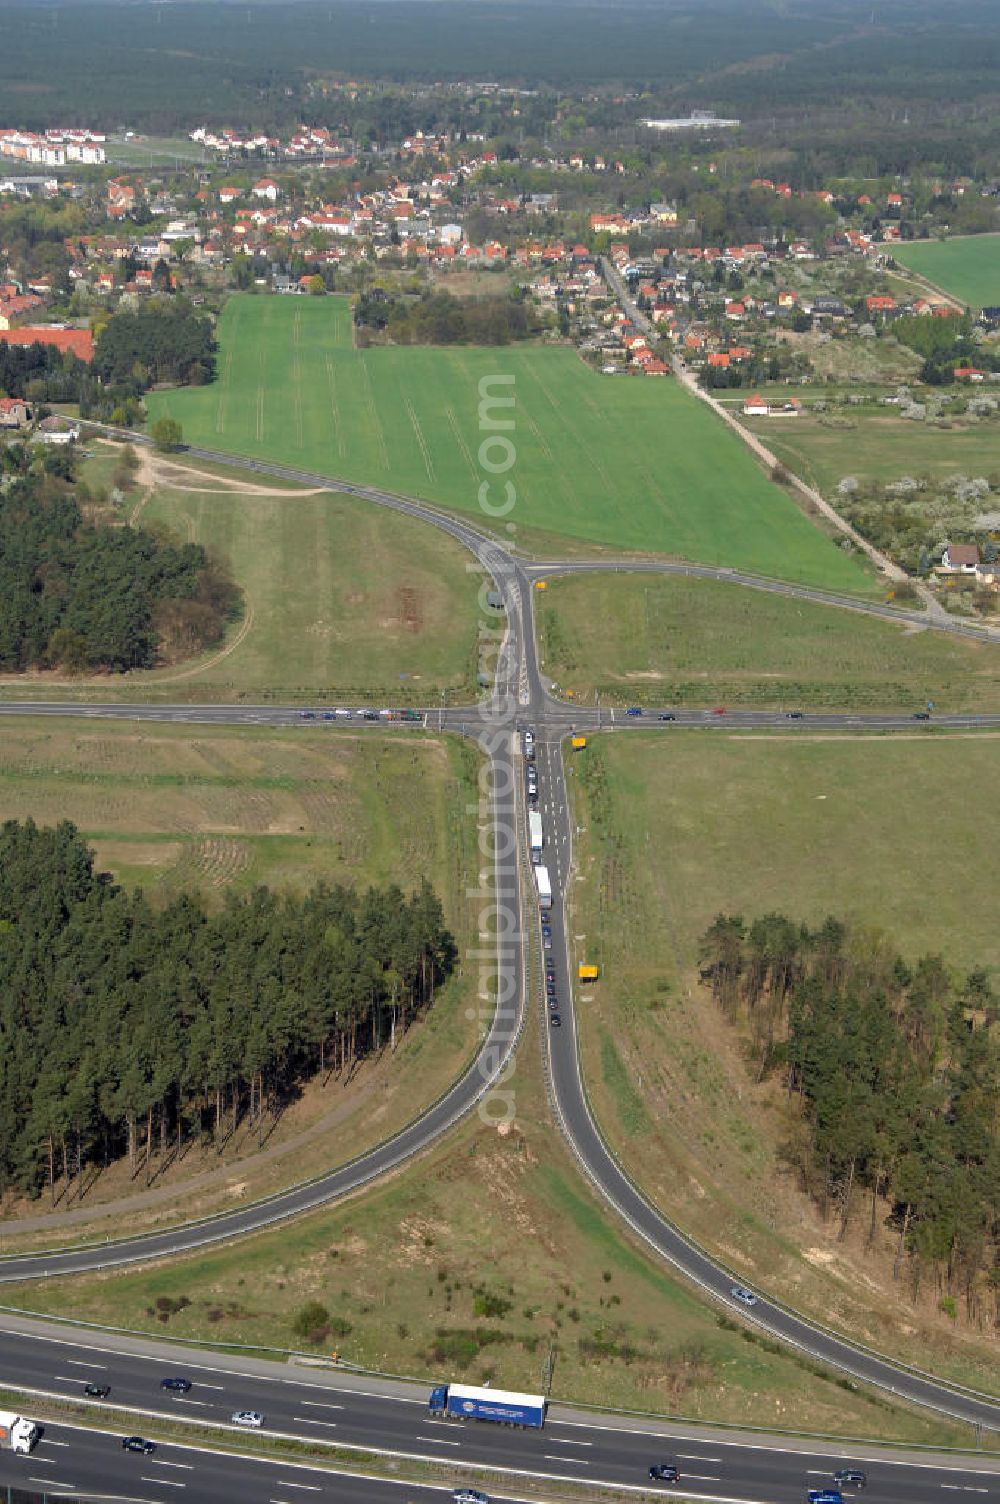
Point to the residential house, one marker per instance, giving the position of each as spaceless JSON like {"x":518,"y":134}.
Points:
{"x":960,"y":558}
{"x":14,"y":412}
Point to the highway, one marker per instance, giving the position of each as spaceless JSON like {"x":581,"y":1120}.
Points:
{"x":519,"y":697}
{"x":392,"y":1418}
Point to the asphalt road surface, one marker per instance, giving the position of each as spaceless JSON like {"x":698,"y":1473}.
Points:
{"x":392,"y":1418}
{"x":519,"y":697}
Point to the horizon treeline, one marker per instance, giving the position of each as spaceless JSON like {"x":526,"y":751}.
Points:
{"x":895,"y":1072}
{"x":126,"y":1029}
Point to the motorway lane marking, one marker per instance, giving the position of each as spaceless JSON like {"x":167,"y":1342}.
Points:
{"x":567,"y":1441}
{"x":579,"y":1461}
{"x":967,"y":1488}
{"x":308,"y":1420}
{"x":160,"y":1462}
{"x":203,"y":1403}
{"x":78,"y":1363}
{"x":66,"y":1378}
{"x":440,"y":1441}
{"x":693,"y":1457}
{"x":702,"y":1478}
{"x":47,"y":1441}
{"x":52,"y":1483}
{"x":322,"y":1405}
{"x":314,"y":1488}
{"x":219,"y":1387}
{"x":163,"y":1482}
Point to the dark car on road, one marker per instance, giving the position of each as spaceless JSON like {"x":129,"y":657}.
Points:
{"x":793,"y":715}
{"x":851,"y":1477}
{"x":825,"y":1496}
{"x":138,"y":1444}
{"x":555,"y":1020}
{"x":666,"y":715}
{"x":175,"y":1385}
{"x":634,"y":710}
{"x":921,"y":715}
{"x":97,"y":1391}
{"x":550,"y":986}
{"x":664,"y":1472}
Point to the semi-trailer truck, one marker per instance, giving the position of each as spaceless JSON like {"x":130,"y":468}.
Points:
{"x":465,"y":1402}
{"x":535,"y":835}
{"x":16,"y":1433}
{"x":544,"y":887}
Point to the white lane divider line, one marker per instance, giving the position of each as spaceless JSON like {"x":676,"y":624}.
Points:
{"x":78,"y":1363}
{"x":310,"y":1420}
{"x":48,"y":1441}
{"x":577,"y":1461}
{"x":163,"y":1482}
{"x":162,"y":1462}
{"x":440,"y":1441}
{"x":322,"y":1405}
{"x":692,"y":1457}
{"x":57,"y":1483}
{"x":567,"y":1441}
{"x":313,"y":1488}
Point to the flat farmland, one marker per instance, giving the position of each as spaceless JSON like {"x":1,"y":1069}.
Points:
{"x":894,"y":834}
{"x":877,"y":446}
{"x":342,"y":599}
{"x":968,"y":267}
{"x":639,"y":465}
{"x":673,"y":641}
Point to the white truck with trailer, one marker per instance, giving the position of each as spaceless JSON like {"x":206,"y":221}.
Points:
{"x":535,"y":839}
{"x":16,"y":1433}
{"x":544,"y":888}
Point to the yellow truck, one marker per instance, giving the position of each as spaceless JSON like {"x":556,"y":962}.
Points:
{"x":587,"y":973}
{"x":578,"y":743}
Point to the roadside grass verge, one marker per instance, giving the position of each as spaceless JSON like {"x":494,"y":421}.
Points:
{"x":892,"y":833}
{"x":401,"y":1272}
{"x":671,"y":641}
{"x":224,"y":809}
{"x":637,"y":464}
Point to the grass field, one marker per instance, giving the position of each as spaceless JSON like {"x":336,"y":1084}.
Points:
{"x":875,"y":446}
{"x":343,"y":600}
{"x":223,"y":810}
{"x":893,"y":833}
{"x":403,"y":1273}
{"x":663,"y":641}
{"x":636,"y":464}
{"x":968,"y":267}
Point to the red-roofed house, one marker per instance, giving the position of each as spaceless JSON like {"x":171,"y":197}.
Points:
{"x":755,"y":406}
{"x":13,"y":412}
{"x":79,"y":341}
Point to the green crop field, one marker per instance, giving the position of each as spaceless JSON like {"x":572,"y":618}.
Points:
{"x":968,"y":267}
{"x":669,"y":641}
{"x":634,"y":464}
{"x":891,"y":833}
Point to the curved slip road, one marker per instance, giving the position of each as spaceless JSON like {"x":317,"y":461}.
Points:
{"x":518,"y":698}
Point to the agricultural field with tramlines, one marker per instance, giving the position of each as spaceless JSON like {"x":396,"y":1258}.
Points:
{"x":632,"y":464}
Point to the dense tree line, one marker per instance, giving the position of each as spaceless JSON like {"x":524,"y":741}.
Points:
{"x":438,"y":318}
{"x":80,"y":595}
{"x":40,"y":373}
{"x":124,"y":1029}
{"x":165,"y":339}
{"x":895,"y":1071}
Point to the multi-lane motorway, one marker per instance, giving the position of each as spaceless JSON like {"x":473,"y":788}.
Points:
{"x":392,"y":1418}
{"x":616,"y":1452}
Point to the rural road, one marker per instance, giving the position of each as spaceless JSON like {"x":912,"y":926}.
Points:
{"x":519,"y":698}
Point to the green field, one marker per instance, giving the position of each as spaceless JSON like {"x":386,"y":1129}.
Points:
{"x":880,"y":447}
{"x":893,"y":833}
{"x":342,"y":600}
{"x":665,"y":641}
{"x":639,"y":465}
{"x":968,"y":267}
